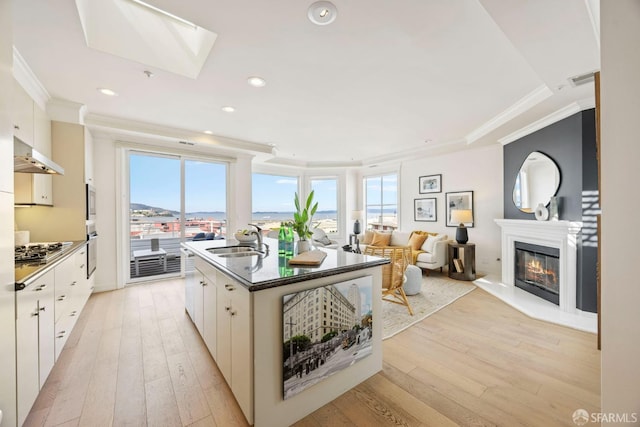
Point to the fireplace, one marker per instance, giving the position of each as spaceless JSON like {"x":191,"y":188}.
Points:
{"x":537,"y":270}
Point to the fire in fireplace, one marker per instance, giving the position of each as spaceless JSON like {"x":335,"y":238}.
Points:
{"x":537,"y":270}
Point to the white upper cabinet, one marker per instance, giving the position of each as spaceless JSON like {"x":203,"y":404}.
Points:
{"x":22,"y":114}
{"x":32,"y":126}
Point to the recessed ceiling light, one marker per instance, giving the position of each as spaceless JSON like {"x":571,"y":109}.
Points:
{"x":228,"y":109}
{"x":106,"y":91}
{"x":322,"y":13}
{"x":256,"y":81}
{"x":208,"y":132}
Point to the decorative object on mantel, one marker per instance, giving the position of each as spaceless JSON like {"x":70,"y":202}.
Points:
{"x":541,"y":213}
{"x":461,"y":216}
{"x":553,"y":209}
{"x":538,"y":172}
{"x":302,"y":219}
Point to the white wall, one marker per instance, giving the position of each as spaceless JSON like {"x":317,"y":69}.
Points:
{"x":104,"y":180}
{"x":7,"y":278}
{"x":620,"y":152}
{"x":479,"y":170}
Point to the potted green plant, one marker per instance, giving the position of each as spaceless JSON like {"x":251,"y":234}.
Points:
{"x":302,"y":219}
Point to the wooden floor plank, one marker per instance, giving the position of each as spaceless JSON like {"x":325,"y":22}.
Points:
{"x":162,"y":409}
{"x":192,"y":403}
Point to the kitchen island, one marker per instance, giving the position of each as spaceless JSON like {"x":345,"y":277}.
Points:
{"x":238,"y":311}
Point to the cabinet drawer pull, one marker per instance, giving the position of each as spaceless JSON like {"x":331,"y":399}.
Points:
{"x":34,"y":314}
{"x":16,"y":127}
{"x":42,"y":308}
{"x":62,"y":333}
{"x":73,"y":313}
{"x":227,"y":308}
{"x":82,"y":266}
{"x":41,"y":287}
{"x":73,"y":283}
{"x":229,"y":287}
{"x":62,"y":298}
{"x":233,"y":313}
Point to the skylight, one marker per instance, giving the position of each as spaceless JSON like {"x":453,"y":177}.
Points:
{"x":135,"y":30}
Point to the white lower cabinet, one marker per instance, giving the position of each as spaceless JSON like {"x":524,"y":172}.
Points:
{"x":222,"y":315}
{"x":72,"y":291}
{"x":205,"y":304}
{"x":46,"y":312}
{"x":234,"y":341}
{"x":34,"y":340}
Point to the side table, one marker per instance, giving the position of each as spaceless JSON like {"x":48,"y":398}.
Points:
{"x":462,"y":261}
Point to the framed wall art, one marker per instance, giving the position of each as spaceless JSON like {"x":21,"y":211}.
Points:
{"x":459,"y":200}
{"x":425,"y":209}
{"x":314,"y":349}
{"x":430,"y":184}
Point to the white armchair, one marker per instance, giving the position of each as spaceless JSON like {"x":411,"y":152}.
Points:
{"x":321,"y":240}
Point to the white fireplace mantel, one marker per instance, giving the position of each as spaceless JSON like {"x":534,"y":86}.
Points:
{"x":555,"y":234}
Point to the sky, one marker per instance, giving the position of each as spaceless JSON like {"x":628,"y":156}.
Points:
{"x":155,"y":181}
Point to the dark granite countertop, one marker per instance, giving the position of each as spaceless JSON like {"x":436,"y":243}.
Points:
{"x":27,"y":272}
{"x":262,"y":272}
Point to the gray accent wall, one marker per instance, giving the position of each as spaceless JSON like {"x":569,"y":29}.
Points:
{"x":571,"y":143}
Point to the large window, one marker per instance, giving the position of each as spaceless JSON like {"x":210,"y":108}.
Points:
{"x":381,"y":198}
{"x":272,"y":199}
{"x":326,"y":194}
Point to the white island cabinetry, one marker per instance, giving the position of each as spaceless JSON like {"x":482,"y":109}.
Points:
{"x":245,"y":314}
{"x":234,"y":343}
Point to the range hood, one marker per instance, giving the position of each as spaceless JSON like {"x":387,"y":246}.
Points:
{"x":27,"y":160}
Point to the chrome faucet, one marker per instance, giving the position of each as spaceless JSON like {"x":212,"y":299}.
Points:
{"x":258,"y":233}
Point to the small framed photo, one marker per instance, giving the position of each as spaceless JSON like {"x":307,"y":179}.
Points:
{"x":459,"y":201}
{"x":425,"y":210}
{"x":430,"y":184}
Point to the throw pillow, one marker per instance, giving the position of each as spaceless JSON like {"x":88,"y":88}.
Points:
{"x":416,"y":240}
{"x":368,"y":236}
{"x":430,"y":243}
{"x":380,"y":239}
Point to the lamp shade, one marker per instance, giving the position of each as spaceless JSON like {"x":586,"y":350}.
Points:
{"x":356,"y":215}
{"x":461,"y":216}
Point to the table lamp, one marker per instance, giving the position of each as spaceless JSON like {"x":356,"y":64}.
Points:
{"x":461,"y":216}
{"x":356,"y":215}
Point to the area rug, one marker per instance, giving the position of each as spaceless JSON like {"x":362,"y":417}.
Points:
{"x":437,"y":292}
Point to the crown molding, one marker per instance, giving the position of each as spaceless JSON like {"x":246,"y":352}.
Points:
{"x":524,"y":104}
{"x":556,"y":116}
{"x":29,"y":81}
{"x":116,"y":125}
{"x":62,"y":110}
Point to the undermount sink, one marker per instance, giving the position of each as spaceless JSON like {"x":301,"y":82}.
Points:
{"x":231,"y":250}
{"x":241,"y":254}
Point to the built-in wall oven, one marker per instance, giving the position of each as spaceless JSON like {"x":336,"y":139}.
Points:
{"x":92,"y":248}
{"x":91,"y":202}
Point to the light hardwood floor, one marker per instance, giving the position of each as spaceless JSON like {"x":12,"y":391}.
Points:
{"x":136,"y":359}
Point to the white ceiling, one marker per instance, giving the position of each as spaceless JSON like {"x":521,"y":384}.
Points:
{"x":374,"y":85}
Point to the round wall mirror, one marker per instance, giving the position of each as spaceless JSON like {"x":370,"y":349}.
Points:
{"x":536,"y":182}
